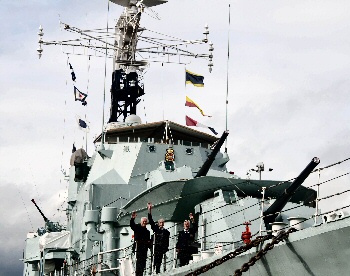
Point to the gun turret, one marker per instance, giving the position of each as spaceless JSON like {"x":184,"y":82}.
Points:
{"x":271,"y":213}
{"x":49,"y":225}
{"x":41,"y":213}
{"x":207,"y":164}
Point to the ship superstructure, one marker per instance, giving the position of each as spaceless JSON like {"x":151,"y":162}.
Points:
{"x":179,"y":170}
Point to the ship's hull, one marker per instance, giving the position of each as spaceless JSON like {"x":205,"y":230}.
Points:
{"x":322,"y":250}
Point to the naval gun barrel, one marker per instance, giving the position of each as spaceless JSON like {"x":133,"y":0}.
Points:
{"x":41,"y":213}
{"x":271,"y":213}
{"x":211,"y":157}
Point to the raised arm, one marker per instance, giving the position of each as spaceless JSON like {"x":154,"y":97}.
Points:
{"x":132,"y":220}
{"x":194,"y":223}
{"x":149,"y":207}
{"x":150,"y":219}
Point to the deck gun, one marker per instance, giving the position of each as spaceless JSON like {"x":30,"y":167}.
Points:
{"x":50,"y":226}
{"x":211,"y":157}
{"x":272,"y":212}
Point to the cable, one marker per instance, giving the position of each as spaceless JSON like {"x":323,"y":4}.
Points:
{"x":104,"y":86}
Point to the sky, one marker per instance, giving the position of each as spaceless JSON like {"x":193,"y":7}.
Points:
{"x":288,"y":94}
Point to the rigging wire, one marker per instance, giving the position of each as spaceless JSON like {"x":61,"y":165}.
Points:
{"x":34,"y":181}
{"x":227,"y":70}
{"x":228,"y":59}
{"x":87,"y":93}
{"x":64,"y":126}
{"x":104,"y":85}
{"x":25,"y":207}
{"x":63,"y":141}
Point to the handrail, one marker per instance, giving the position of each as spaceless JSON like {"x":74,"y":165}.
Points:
{"x":100,"y":259}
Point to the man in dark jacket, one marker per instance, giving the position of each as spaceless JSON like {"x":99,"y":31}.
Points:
{"x":142,"y":240}
{"x":160,"y":239}
{"x":185,"y":240}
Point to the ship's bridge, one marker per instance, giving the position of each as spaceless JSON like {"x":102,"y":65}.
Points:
{"x":164,"y":132}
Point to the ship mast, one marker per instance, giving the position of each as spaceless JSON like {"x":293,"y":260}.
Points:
{"x":126,"y":89}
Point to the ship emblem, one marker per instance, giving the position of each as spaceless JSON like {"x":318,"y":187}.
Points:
{"x":169,"y":159}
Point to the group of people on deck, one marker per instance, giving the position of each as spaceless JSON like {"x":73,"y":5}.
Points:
{"x":160,"y":240}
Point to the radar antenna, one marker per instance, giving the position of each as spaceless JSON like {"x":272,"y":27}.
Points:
{"x":122,"y":45}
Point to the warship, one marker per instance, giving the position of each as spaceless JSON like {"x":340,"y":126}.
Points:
{"x":245,"y":226}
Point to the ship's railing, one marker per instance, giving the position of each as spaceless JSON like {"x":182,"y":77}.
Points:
{"x":115,"y":259}
{"x":60,"y":272}
{"x":329,"y":216}
{"x":85,"y":266}
{"x":124,"y":261}
{"x":299,"y":223}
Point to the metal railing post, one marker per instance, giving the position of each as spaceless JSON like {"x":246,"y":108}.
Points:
{"x":262,"y":210}
{"x":317,"y":196}
{"x":153,"y":252}
{"x":99,"y":261}
{"x":174,"y":251}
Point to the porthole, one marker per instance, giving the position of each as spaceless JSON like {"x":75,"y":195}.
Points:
{"x":151,"y":148}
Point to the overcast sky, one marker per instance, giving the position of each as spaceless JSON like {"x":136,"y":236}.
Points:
{"x":288,"y":94}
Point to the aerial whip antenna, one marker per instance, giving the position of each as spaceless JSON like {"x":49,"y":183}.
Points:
{"x":104,"y":88}
{"x":228,"y":59}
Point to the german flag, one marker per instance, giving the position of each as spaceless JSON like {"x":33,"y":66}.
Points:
{"x":195,"y":79}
